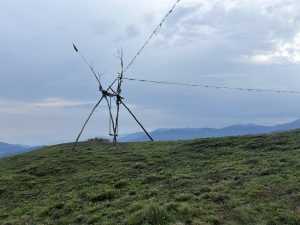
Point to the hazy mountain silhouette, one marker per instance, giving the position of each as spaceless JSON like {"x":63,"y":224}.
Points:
{"x":166,"y":134}
{"x":12,"y":149}
{"x":192,"y":133}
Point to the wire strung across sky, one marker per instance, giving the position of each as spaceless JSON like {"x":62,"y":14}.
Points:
{"x":211,"y":86}
{"x":151,"y":36}
{"x":177,"y":83}
{"x":187,"y":84}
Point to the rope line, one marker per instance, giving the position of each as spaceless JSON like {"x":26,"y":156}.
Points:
{"x":211,"y":86}
{"x":151,"y":36}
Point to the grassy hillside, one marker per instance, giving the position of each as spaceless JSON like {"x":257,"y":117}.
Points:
{"x":234,"y":180}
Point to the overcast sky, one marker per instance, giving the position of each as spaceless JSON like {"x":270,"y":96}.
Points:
{"x":46,"y":92}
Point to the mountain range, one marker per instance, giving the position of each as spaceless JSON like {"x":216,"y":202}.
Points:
{"x":13,"y":149}
{"x":166,"y":134}
{"x":193,"y":133}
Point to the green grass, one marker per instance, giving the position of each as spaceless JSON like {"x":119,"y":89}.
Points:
{"x":232,"y":180}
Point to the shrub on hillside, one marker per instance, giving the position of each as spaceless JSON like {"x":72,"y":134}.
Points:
{"x":99,"y":139}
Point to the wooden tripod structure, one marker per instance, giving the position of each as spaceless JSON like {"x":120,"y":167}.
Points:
{"x":110,"y":95}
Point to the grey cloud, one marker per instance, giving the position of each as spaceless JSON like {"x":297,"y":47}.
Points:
{"x":130,"y":32}
{"x":103,"y":27}
{"x":246,"y":29}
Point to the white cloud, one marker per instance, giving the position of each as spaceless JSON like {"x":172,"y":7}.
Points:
{"x":284,"y":52}
{"x":27,"y":107}
{"x":58,"y":103}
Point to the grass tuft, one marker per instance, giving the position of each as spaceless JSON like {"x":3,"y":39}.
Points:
{"x":153,"y":214}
